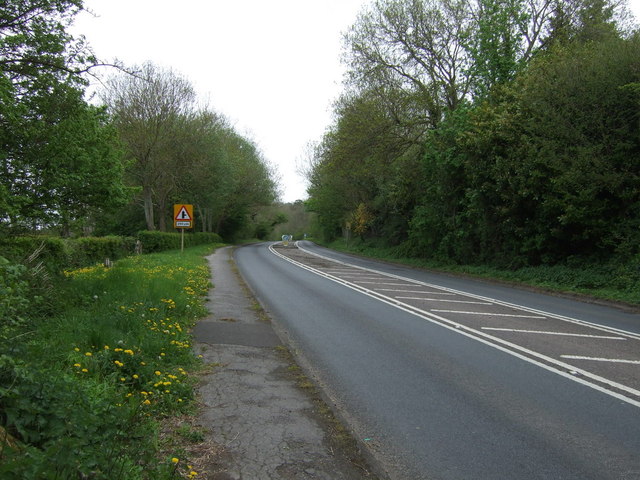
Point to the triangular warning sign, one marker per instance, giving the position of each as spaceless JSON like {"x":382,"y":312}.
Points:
{"x":183,"y":215}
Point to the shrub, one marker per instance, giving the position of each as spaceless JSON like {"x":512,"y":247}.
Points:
{"x":51,"y":252}
{"x":154,"y":241}
{"x":90,"y":250}
{"x":14,"y":298}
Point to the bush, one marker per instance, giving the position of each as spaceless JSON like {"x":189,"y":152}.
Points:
{"x":154,"y":241}
{"x":14,"y":298}
{"x":52,"y":252}
{"x":86,"y":251}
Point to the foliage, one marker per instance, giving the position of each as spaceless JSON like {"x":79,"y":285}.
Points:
{"x":183,"y":155}
{"x":14,"y":298}
{"x":529,"y":157}
{"x":81,"y":396}
{"x":154,"y":241}
{"x":60,"y":157}
{"x":75,"y":168}
{"x":85,"y":251}
{"x":52,"y":251}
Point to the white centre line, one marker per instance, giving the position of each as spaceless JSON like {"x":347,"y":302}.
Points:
{"x":444,"y":300}
{"x":553,"y":333}
{"x":613,"y":360}
{"x":387,"y":283}
{"x":488,"y":314}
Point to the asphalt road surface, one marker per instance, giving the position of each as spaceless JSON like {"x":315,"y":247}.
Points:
{"x":449,"y":378}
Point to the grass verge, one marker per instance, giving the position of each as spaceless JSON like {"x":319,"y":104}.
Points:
{"x":84,"y":392}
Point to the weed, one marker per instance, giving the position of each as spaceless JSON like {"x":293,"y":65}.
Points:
{"x":82,"y":396}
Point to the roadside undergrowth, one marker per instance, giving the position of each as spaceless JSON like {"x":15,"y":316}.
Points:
{"x":85,"y":393}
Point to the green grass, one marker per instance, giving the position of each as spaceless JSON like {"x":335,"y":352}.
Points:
{"x":613,"y":281}
{"x":82,"y":392}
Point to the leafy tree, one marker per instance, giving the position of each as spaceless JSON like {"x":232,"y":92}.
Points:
{"x":150,"y":110}
{"x":52,"y":143}
{"x":497,"y":48}
{"x":413,"y":46}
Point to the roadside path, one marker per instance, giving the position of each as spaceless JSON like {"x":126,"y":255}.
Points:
{"x":268,"y":427}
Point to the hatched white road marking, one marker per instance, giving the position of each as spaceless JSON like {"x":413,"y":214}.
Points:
{"x":444,"y":300}
{"x":562,"y":334}
{"x":488,"y":314}
{"x":612,"y":360}
{"x":412,"y":291}
{"x":556,"y":366}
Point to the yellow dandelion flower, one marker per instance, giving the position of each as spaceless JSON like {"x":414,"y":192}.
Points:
{"x":77,"y":365}
{"x":84,"y":370}
{"x":175,"y":460}
{"x":88,"y":354}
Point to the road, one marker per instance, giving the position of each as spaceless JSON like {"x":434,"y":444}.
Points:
{"x":449,"y":378}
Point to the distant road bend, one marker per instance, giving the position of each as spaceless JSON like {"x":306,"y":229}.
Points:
{"x":449,"y":378}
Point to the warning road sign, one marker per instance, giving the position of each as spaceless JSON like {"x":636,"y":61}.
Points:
{"x":182,"y":216}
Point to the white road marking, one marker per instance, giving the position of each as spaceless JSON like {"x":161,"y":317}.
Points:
{"x":412,"y":291}
{"x":562,"y":334}
{"x":488,"y":314}
{"x":471,"y":295}
{"x":612,"y":360}
{"x":384,"y":283}
{"x":552,"y":365}
{"x":361,"y":277}
{"x":444,"y":300}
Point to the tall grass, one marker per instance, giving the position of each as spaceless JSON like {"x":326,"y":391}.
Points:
{"x":81,"y":392}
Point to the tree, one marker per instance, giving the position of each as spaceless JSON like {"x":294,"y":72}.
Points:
{"x":413,"y":46}
{"x":150,"y":110}
{"x":51,"y":142}
{"x":35,"y":44}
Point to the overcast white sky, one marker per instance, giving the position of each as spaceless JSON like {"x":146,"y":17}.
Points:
{"x":271,"y":66}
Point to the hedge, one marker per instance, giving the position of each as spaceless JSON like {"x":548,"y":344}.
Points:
{"x":154,"y":241}
{"x":57,"y":254}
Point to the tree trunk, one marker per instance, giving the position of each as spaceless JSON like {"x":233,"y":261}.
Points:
{"x":162,"y":215}
{"x":148,"y":208}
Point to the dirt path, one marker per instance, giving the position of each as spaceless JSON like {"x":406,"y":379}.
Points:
{"x":253,"y":407}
